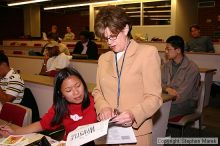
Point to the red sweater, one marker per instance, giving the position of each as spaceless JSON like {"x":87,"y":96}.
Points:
{"x":71,"y":122}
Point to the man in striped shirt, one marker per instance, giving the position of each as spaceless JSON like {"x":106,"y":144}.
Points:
{"x":11,"y":84}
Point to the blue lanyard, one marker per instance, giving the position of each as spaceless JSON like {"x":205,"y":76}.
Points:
{"x":119,"y":73}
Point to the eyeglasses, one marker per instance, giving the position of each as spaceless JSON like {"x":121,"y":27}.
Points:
{"x":111,"y":37}
{"x":168,"y":49}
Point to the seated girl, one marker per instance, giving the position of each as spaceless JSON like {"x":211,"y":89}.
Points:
{"x":72,"y":106}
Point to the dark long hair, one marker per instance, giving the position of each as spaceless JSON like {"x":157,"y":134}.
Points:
{"x":60,"y":103}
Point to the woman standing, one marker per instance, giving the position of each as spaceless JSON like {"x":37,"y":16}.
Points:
{"x":128,"y":77}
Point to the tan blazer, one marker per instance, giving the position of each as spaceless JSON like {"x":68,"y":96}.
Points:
{"x":140,"y":84}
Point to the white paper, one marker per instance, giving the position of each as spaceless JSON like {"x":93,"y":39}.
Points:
{"x":118,"y":135}
{"x":87,"y":133}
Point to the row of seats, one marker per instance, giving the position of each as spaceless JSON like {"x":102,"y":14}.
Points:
{"x":41,"y":45}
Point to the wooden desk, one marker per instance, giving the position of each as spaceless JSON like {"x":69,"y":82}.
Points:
{"x":38,"y":79}
{"x":2,"y":122}
{"x":42,"y":89}
{"x":29,"y":138}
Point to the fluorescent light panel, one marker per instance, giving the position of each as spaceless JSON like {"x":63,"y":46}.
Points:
{"x":76,"y":5}
{"x":26,"y":2}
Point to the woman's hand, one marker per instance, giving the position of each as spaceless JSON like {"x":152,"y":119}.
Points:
{"x":5,"y":131}
{"x":105,"y":113}
{"x":125,"y":118}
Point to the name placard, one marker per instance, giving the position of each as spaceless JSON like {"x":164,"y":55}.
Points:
{"x":87,"y":133}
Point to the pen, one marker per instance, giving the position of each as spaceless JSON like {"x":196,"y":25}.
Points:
{"x":6,"y":124}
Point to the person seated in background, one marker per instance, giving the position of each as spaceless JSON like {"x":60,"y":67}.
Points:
{"x":92,"y":35}
{"x":199,"y":43}
{"x":69,"y":36}
{"x":53,"y":34}
{"x":86,"y":46}
{"x":54,"y":60}
{"x":11,"y":83}
{"x":62,"y":47}
{"x":72,"y":107}
{"x":180,"y":78}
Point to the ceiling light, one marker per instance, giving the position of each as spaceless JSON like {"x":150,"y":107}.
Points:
{"x":26,"y":2}
{"x":76,"y":5}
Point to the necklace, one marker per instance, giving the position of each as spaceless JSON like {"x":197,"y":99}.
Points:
{"x":119,"y":73}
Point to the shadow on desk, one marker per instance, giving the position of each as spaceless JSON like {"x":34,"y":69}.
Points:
{"x":57,"y":134}
{"x":41,"y":142}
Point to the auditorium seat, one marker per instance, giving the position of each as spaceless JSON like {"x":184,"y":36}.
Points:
{"x":23,"y":44}
{"x":18,"y":52}
{"x":37,"y":45}
{"x":16,"y":113}
{"x":12,"y":44}
{"x":70,"y":45}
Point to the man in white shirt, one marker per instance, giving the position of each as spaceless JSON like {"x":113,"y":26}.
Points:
{"x":86,"y":46}
{"x":11,"y":84}
{"x":69,"y":36}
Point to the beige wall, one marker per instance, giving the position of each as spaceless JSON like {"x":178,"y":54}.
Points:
{"x":159,"y":31}
{"x":184,"y":13}
{"x":32,"y":20}
{"x":162,"y":32}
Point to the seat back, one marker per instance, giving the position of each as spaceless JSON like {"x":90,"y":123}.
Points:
{"x":17,"y":114}
{"x":2,"y":51}
{"x":18,"y":52}
{"x":29,"y":101}
{"x":201,"y":98}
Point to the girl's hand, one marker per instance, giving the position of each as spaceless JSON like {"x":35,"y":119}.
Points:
{"x":125,"y":118}
{"x":105,"y":113}
{"x":5,"y":131}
